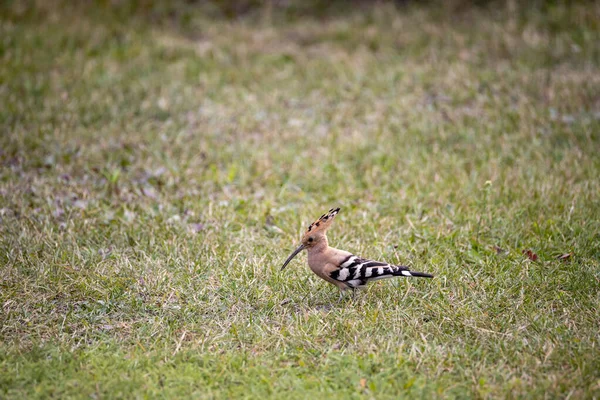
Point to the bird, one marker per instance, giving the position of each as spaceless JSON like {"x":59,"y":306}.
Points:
{"x":341,"y":268}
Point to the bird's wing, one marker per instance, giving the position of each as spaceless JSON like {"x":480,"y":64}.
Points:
{"x":356,"y":272}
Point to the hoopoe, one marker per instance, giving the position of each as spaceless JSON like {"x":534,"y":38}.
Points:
{"x":339,"y":267}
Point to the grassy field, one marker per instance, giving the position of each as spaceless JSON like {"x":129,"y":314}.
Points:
{"x":158,"y":164}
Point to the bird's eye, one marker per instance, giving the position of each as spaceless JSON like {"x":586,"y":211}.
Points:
{"x":310,"y":239}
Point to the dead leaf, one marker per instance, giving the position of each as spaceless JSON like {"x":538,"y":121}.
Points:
{"x":499,"y":250}
{"x":363,"y":383}
{"x":530,"y":254}
{"x":564,"y":257}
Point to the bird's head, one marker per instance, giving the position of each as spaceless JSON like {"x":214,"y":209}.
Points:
{"x":315,"y":234}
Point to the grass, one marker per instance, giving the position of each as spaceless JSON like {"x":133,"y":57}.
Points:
{"x":159,"y":164}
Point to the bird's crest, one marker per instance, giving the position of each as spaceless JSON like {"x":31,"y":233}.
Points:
{"x":323,"y":223}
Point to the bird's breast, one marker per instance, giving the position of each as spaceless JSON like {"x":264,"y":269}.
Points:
{"x":323,"y":263}
{"x":316,"y":263}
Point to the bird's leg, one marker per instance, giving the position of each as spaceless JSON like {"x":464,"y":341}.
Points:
{"x":341,"y":295}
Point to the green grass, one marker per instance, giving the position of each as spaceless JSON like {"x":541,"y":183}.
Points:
{"x":157,"y":166}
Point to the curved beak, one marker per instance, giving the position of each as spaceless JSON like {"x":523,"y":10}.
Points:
{"x":294,"y":254}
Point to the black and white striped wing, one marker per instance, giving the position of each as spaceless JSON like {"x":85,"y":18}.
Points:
{"x":355,"y":272}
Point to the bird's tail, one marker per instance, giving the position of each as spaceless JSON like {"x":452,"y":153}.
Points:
{"x":404,"y":271}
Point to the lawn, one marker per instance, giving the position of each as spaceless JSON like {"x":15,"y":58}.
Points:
{"x":159,"y":162}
